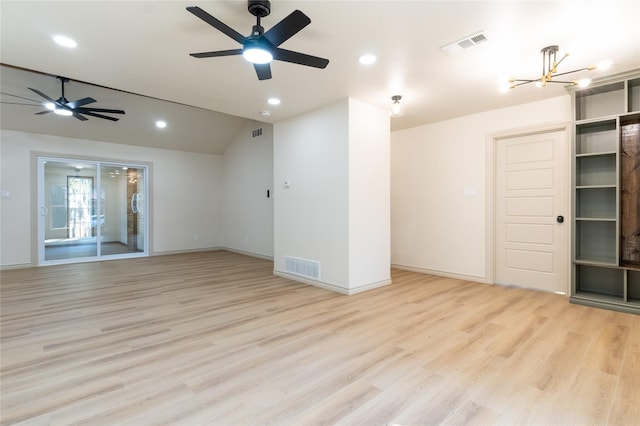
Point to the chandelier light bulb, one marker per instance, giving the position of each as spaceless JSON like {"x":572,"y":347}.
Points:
{"x":584,"y":82}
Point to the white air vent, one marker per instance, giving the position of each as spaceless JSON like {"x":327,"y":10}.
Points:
{"x":464,"y":43}
{"x":303,"y":267}
{"x":256,"y":133}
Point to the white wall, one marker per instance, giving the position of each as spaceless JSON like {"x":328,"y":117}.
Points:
{"x":369,"y":195}
{"x":248,"y":174}
{"x":186,"y":189}
{"x":311,"y":216}
{"x":434,"y":226}
{"x":336,"y":210}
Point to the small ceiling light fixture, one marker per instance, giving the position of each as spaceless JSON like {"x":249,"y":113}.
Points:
{"x":367,"y":59}
{"x":161,"y":124}
{"x":64,"y":41}
{"x":273,"y":101}
{"x":550,"y":70}
{"x":397,"y":109}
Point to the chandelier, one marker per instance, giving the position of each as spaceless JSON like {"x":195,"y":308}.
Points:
{"x":550,"y":71}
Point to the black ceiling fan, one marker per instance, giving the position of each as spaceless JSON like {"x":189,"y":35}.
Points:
{"x":77,"y":108}
{"x":261,"y":47}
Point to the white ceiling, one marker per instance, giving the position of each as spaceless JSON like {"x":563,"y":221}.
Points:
{"x":143,"y":47}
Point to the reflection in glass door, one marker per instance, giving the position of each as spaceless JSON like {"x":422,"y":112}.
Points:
{"x":123,"y":209}
{"x":82,"y":203}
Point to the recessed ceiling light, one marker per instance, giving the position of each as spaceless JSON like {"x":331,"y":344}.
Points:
{"x":367,"y":59}
{"x":273,"y":101}
{"x":160,"y":124}
{"x":64,"y":41}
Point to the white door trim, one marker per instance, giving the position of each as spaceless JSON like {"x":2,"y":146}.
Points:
{"x":490,"y":202}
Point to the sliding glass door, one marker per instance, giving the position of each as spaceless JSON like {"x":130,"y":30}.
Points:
{"x":89,"y":210}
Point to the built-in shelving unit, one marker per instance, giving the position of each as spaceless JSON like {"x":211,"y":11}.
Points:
{"x":606,"y":199}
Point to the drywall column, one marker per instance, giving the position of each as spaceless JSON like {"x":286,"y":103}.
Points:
{"x":332,"y":200}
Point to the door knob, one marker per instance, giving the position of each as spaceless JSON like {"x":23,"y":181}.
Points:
{"x":560,"y":219}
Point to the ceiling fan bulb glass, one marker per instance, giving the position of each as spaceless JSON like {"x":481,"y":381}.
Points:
{"x":257,"y":55}
{"x":63,"y":112}
{"x":50,"y":106}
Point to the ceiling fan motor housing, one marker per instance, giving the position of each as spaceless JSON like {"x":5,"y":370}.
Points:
{"x":259,"y":8}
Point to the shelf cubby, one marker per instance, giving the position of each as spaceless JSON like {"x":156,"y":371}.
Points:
{"x":596,"y":241}
{"x":600,"y":281}
{"x":633,"y":286}
{"x":596,"y":203}
{"x":634,"y":95}
{"x":598,"y":137}
{"x":596,"y":170}
{"x":600,"y":101}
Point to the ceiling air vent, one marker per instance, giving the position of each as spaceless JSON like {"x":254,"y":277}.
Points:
{"x":256,"y":133}
{"x":464,"y":43}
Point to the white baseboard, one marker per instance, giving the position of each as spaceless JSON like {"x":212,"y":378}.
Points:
{"x":442,"y":273}
{"x":248,"y":253}
{"x":331,"y":287}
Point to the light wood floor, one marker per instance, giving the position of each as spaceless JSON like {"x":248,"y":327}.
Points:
{"x":215,"y":338}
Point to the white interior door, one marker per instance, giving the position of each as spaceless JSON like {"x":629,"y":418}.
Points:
{"x":531,"y":187}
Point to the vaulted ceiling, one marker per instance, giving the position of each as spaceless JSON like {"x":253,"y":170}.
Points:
{"x":142,"y":48}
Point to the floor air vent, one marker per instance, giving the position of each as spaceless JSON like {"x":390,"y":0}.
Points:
{"x":302,"y":267}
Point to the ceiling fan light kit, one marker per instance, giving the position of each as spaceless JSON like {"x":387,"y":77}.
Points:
{"x":261,"y":48}
{"x":550,"y":70}
{"x":77,"y":108}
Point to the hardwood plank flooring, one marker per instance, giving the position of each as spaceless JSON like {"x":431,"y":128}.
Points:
{"x":215,"y":338}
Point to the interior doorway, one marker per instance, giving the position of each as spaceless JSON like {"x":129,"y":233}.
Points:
{"x":89,"y":210}
{"x":530,"y":208}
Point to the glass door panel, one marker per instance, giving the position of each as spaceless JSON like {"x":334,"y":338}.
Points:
{"x":67,"y":210}
{"x":82,"y":203}
{"x":123,"y":209}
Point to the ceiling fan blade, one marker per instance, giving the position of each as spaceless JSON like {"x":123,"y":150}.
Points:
{"x":299,"y":58}
{"x":36,"y":91}
{"x":217,"y":53}
{"x":88,"y":110}
{"x":93,"y":114}
{"x":43,"y":112}
{"x":80,"y":102}
{"x":287,"y":28}
{"x":20,"y":103}
{"x":263,"y":71}
{"x":217,"y":24}
{"x":79,"y":117}
{"x":20,"y":97}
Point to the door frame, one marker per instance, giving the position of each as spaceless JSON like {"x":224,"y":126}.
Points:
{"x":491,"y":171}
{"x":35,"y":204}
